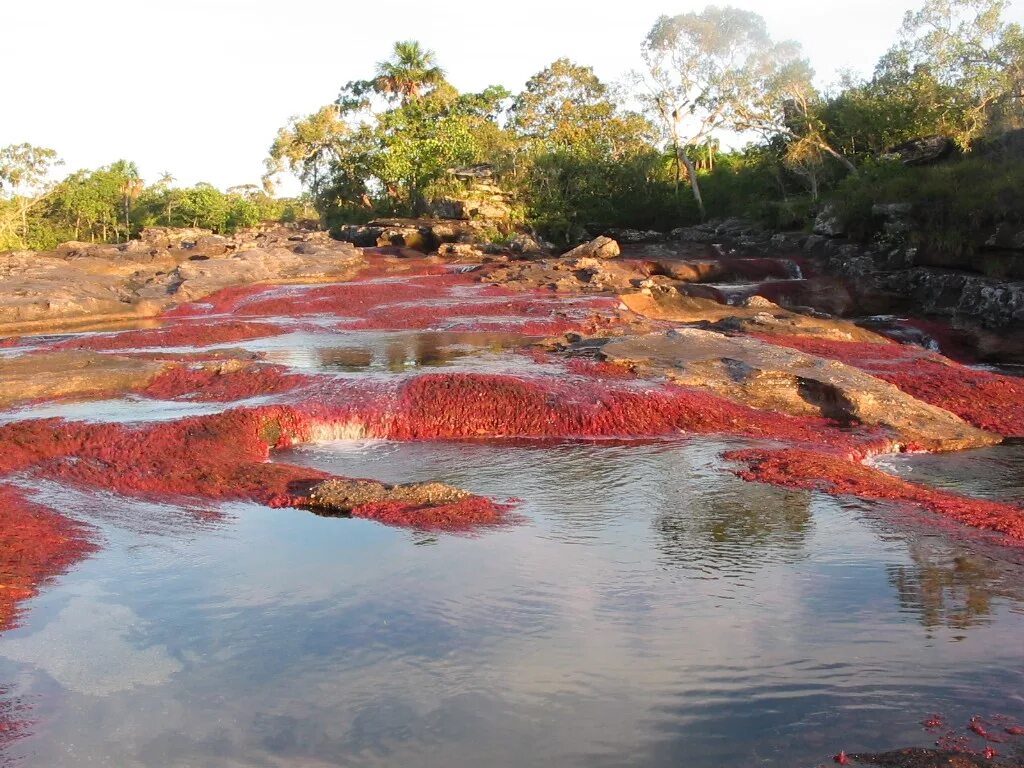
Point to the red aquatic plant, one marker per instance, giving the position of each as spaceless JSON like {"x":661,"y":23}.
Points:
{"x":801,"y":468}
{"x":982,"y":398}
{"x":176,"y":334}
{"x":214,"y":384}
{"x":464,"y":515}
{"x":36,"y":544}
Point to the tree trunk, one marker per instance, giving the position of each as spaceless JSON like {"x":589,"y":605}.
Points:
{"x":824,"y":146}
{"x":694,"y":183}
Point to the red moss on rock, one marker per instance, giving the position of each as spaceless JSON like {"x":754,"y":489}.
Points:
{"x":598,"y":369}
{"x":213,"y":384}
{"x":177,"y":334}
{"x":36,"y":544}
{"x":465,"y":515}
{"x":441,"y":406}
{"x":981,"y":398}
{"x":801,"y":468}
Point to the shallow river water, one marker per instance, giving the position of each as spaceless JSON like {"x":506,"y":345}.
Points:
{"x":649,"y":609}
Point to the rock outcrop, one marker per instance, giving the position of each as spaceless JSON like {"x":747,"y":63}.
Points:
{"x":763,"y":375}
{"x":80,"y":283}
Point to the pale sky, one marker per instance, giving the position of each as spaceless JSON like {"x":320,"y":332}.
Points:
{"x":200,"y":87}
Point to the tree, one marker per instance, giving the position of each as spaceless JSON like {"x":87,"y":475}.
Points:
{"x":409,"y":72}
{"x":23,"y":172}
{"x":584,"y":160}
{"x":975,"y":58}
{"x":721,"y":69}
{"x":307,"y":147}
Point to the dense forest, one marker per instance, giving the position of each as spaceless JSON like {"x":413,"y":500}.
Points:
{"x":646,"y":152}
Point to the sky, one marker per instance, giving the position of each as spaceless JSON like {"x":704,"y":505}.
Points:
{"x":199,"y":88}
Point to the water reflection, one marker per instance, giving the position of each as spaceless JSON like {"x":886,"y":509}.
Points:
{"x":407,"y":351}
{"x":653,"y":611}
{"x":947,"y":588}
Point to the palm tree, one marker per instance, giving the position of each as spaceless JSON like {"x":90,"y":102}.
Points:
{"x":409,"y":71}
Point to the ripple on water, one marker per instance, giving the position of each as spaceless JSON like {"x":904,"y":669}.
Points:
{"x":653,"y":610}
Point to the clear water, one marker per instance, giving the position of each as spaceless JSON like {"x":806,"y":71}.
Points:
{"x":650,"y":610}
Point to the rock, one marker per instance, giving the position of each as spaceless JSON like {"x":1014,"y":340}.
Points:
{"x":482,"y":200}
{"x":924,"y":150}
{"x":1007,"y":237}
{"x":342,"y":496}
{"x":634,"y":236}
{"x":828,"y":223}
{"x":693,"y":235}
{"x":75,"y":285}
{"x":921,"y":758}
{"x":526,"y":245}
{"x":763,"y":317}
{"x":763,"y":375}
{"x":70,"y":374}
{"x":470,"y":252}
{"x":600,"y":247}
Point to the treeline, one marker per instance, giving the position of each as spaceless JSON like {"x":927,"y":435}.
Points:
{"x":645,"y":153}
{"x":113,"y":203}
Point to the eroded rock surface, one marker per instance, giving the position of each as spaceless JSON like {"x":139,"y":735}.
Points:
{"x":81,"y":283}
{"x":342,"y":496}
{"x":72,"y":374}
{"x":766,"y":376}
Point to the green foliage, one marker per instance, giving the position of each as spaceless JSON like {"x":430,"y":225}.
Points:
{"x":953,"y":203}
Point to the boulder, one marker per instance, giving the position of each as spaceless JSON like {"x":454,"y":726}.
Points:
{"x":761,"y":316}
{"x":828,"y":223}
{"x":600,"y":247}
{"x":924,"y":150}
{"x":762,"y":375}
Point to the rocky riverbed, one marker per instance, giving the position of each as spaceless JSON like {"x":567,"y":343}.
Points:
{"x":185,"y":369}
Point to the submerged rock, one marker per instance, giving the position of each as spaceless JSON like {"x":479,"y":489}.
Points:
{"x":921,"y":758}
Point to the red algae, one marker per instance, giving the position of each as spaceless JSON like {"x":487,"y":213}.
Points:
{"x":439,"y":406}
{"x":800,"y":468}
{"x":178,"y":334}
{"x":36,"y":544}
{"x":351,"y":299}
{"x":213,"y":384}
{"x":465,"y":515}
{"x":983,"y":399}
{"x":599,"y":369}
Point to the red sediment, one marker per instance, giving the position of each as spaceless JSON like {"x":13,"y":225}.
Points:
{"x":36,"y":544}
{"x":986,"y":400}
{"x":800,"y":468}
{"x":210,"y":384}
{"x":178,"y":334}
